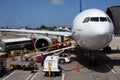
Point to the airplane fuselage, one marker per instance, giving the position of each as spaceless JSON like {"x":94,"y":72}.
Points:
{"x":92,"y":29}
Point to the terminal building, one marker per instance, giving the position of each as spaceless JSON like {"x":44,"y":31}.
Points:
{"x":114,"y":13}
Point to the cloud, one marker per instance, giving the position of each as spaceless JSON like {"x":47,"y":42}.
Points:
{"x":57,"y":2}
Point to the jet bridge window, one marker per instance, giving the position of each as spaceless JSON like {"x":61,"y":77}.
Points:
{"x":86,"y":20}
{"x":103,"y":19}
{"x":94,"y":19}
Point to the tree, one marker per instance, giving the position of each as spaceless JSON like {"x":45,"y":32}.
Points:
{"x":26,"y":27}
{"x":43,"y":27}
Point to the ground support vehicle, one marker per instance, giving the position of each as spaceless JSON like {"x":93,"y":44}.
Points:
{"x":64,"y":58}
{"x":3,"y":65}
{"x":51,"y":66}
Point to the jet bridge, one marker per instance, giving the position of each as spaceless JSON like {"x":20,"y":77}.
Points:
{"x":114,"y":13}
{"x":14,"y":43}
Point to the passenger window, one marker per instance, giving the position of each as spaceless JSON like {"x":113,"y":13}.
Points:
{"x":103,"y":19}
{"x":86,"y":20}
{"x":95,"y":19}
{"x":108,"y":19}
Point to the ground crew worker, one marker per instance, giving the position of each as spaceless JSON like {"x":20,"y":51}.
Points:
{"x":12,"y":55}
{"x":42,"y":60}
{"x":26,"y":57}
{"x":32,"y":63}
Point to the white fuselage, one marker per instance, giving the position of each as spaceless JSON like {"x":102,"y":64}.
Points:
{"x":92,"y":29}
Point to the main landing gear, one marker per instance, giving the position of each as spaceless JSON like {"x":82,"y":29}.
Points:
{"x":107,"y":49}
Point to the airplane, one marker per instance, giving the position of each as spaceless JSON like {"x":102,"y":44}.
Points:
{"x":92,"y":30}
{"x":62,"y":29}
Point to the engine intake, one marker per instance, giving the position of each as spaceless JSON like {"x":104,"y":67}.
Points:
{"x":43,"y":43}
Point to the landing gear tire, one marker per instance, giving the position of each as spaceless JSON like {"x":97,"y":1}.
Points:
{"x":61,"y":61}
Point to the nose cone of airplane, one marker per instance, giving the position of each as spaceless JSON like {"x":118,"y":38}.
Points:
{"x":103,"y":30}
{"x":101,"y":37}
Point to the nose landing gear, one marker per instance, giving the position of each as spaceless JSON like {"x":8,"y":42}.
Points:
{"x":93,"y":59}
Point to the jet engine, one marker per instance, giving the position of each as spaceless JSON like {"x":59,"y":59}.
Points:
{"x":42,"y":43}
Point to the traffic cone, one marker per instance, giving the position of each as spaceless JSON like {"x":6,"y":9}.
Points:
{"x":107,"y":78}
{"x":77,"y":68}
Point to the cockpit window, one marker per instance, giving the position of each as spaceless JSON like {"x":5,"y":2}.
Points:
{"x":108,"y":19}
{"x":86,"y":20}
{"x":95,"y":19}
{"x":103,"y":19}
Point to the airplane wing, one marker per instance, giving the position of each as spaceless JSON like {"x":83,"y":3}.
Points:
{"x":57,"y":33}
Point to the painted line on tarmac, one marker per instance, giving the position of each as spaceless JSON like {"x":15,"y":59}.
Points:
{"x":119,"y":67}
{"x":63,"y":76}
{"x":28,"y":78}
{"x":34,"y":76}
{"x":110,"y":68}
{"x":9,"y":75}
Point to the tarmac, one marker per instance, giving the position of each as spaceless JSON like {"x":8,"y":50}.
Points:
{"x":108,"y":67}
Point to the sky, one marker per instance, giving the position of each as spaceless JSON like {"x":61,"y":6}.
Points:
{"x":34,"y":13}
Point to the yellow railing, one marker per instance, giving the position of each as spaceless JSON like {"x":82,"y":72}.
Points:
{"x":50,"y":46}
